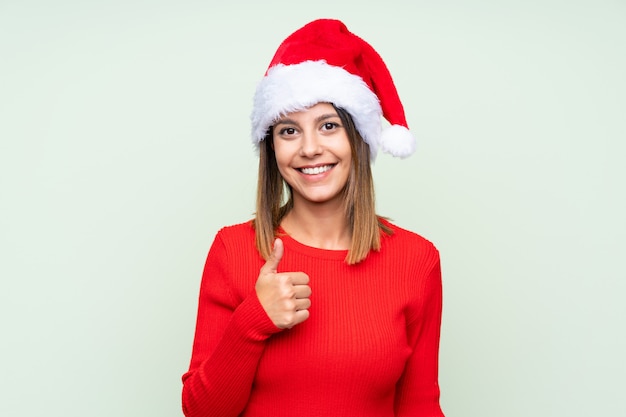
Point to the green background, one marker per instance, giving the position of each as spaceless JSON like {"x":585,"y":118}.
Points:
{"x":124,"y":147}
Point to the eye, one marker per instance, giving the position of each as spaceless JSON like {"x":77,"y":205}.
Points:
{"x":330,"y":126}
{"x":287,"y":131}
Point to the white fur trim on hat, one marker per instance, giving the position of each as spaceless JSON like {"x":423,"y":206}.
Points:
{"x":398,"y":141}
{"x":289,"y":88}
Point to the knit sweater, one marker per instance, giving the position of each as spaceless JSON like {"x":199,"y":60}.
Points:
{"x":369,"y":348}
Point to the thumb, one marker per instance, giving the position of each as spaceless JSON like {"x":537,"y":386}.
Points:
{"x":275,"y":256}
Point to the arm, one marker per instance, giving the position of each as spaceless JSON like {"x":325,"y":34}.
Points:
{"x":417,"y":392}
{"x":229,"y":341}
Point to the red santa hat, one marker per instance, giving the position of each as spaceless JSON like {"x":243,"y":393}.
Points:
{"x":324,"y":62}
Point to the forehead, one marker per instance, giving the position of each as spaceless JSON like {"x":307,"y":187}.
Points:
{"x":319,"y":110}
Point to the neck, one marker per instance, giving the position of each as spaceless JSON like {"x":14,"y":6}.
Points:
{"x":318,"y":226}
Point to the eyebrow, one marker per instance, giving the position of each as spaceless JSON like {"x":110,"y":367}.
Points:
{"x":318,"y":119}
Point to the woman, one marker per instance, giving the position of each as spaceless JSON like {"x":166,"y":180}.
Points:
{"x":318,"y":307}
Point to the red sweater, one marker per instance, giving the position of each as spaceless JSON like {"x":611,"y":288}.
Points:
{"x":369,"y":348}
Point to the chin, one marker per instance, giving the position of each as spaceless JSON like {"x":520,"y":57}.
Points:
{"x":321,"y":199}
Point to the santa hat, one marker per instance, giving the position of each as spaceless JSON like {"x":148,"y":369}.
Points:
{"x":324,"y":62}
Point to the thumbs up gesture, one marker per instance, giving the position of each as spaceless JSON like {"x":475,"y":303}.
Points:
{"x":285,"y":295}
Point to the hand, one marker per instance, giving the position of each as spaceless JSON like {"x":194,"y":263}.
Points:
{"x":285,"y":295}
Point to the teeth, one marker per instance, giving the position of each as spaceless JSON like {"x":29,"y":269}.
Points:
{"x":316,"y":170}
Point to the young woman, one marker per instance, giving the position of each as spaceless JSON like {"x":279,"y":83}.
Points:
{"x":318,"y":307}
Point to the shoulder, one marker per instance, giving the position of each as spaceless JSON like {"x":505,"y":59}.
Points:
{"x":405,"y":244}
{"x":237,"y":234}
{"x":401,"y":236}
{"x":411,"y":257}
{"x":236,"y":230}
{"x":236,"y":243}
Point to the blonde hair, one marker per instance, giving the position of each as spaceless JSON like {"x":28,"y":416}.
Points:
{"x":274,"y":197}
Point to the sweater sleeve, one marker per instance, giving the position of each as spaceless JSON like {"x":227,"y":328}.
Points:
{"x":229,"y":341}
{"x":417,"y":392}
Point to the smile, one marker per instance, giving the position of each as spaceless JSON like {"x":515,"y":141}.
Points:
{"x":316,"y":170}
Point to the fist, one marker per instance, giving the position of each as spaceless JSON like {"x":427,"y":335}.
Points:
{"x":285,"y":295}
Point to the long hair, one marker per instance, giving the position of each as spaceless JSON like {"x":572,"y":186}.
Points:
{"x":275,"y":199}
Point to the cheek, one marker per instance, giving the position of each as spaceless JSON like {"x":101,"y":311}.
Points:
{"x":344,"y":149}
{"x":284,"y":153}
{"x":280,"y":159}
{"x":282,"y":170}
{"x":347,"y":155}
{"x":282,"y":164}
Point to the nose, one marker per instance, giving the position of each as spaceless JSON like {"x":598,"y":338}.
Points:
{"x":310,"y":145}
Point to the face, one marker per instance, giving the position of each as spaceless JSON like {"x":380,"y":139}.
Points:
{"x":313,"y":154}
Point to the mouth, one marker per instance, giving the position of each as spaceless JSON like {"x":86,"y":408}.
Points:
{"x":316,"y":170}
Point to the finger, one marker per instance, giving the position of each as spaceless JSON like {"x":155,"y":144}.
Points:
{"x":271,"y":265}
{"x":297,"y":318}
{"x":300,"y":316}
{"x":303,"y":304}
{"x":298,"y":278}
{"x":302,"y":291}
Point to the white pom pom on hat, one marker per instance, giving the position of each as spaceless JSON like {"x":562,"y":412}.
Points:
{"x":324,"y":62}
